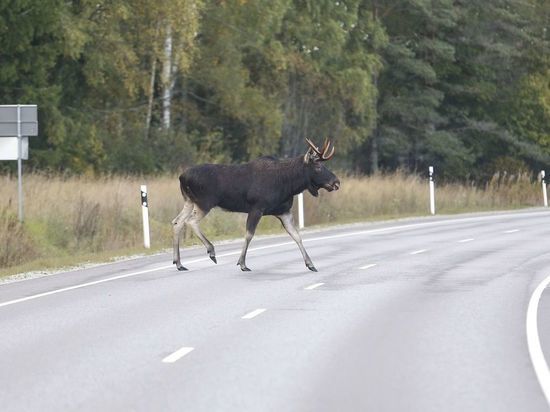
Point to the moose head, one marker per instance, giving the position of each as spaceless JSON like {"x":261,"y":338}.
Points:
{"x":318,"y":173}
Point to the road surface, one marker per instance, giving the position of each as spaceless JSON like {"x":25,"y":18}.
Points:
{"x":418,"y":315}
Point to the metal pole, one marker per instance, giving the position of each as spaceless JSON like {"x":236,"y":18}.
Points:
{"x":432,"y":190}
{"x":145,"y":214}
{"x":301,"y":211}
{"x":544,"y":194}
{"x":19,"y":163}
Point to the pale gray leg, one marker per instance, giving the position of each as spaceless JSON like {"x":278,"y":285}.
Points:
{"x":193,"y":221}
{"x":179,"y":224}
{"x":251,"y":222}
{"x":288,"y":223}
{"x":242,"y":259}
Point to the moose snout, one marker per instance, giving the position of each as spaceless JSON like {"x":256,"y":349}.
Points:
{"x":330,"y":185}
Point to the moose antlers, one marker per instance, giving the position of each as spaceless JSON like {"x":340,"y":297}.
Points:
{"x":323,"y":153}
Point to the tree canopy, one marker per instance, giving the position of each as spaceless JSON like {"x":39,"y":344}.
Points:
{"x":142,"y":87}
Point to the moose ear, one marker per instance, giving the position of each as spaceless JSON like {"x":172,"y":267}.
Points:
{"x":310,"y":157}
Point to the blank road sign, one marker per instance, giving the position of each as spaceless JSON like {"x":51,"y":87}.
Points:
{"x":8,"y":120}
{"x":9,"y":148}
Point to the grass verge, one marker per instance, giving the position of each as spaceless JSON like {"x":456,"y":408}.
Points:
{"x":71,"y":220}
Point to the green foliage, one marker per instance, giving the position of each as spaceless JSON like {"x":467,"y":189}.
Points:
{"x":236,"y":76}
{"x":530,"y":111}
{"x":397,"y":84}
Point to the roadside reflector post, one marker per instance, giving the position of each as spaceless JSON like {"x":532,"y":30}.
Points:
{"x":145,"y":213}
{"x":432,"y":190}
{"x":301,"y":211}
{"x":544,"y":194}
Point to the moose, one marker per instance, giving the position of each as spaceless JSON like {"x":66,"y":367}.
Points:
{"x":265,"y":186}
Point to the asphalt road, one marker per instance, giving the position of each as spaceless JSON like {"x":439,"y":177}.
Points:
{"x":416,"y":315}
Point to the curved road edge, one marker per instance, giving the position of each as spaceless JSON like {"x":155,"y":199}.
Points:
{"x":533,"y":340}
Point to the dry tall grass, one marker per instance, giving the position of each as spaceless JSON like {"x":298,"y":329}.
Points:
{"x":71,"y":216}
{"x":399,"y":194}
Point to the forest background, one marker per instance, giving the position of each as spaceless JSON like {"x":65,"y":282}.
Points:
{"x":134,"y":86}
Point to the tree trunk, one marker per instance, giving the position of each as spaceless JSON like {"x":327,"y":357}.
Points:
{"x":151,"y":93}
{"x":374,"y":141}
{"x":374,"y":153}
{"x":167,"y":82}
{"x":289,"y":129}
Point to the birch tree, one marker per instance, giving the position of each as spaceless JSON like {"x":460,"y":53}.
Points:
{"x":165,"y":35}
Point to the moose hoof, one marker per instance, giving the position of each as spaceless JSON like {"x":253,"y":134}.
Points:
{"x":243,"y":267}
{"x":214,"y":259}
{"x":182,"y":268}
{"x":311,"y":267}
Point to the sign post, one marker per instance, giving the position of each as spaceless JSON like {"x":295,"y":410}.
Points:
{"x":17,"y":121}
{"x":19,"y":163}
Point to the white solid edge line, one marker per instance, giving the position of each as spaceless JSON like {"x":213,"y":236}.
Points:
{"x":82,"y":285}
{"x":466,"y":240}
{"x":358,"y":233}
{"x":368,"y":266}
{"x":177,"y":355}
{"x":254,"y":313}
{"x":316,"y":285}
{"x":533,"y":340}
{"x":417,"y":252}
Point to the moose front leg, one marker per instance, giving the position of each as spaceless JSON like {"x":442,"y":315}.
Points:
{"x":251,"y":223}
{"x":288,"y":223}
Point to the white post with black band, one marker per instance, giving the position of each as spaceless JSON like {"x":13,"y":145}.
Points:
{"x":300,"y":211}
{"x":432,"y":190}
{"x":145,"y":213}
{"x":544,"y":194}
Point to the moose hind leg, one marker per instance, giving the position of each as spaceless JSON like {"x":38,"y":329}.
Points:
{"x":288,"y":223}
{"x":178,"y":224}
{"x":251,"y":222}
{"x":193,"y":221}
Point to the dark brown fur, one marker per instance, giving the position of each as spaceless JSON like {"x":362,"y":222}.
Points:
{"x":265,"y":186}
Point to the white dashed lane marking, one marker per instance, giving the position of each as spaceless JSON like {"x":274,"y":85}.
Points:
{"x":368,"y":266}
{"x":177,"y":355}
{"x":417,"y":252}
{"x":316,"y":285}
{"x":254,"y":313}
{"x":466,"y":240}
{"x":511,"y":231}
